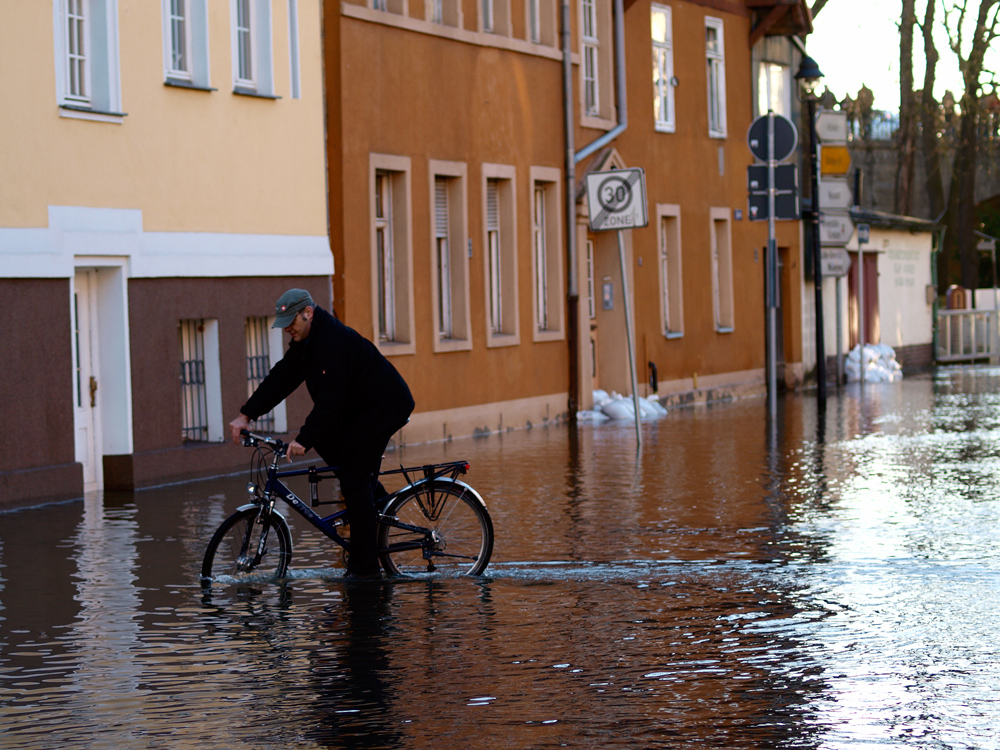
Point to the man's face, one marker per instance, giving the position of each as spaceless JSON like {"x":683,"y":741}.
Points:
{"x":298,"y":329}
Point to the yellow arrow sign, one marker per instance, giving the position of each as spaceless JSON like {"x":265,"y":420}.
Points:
{"x":834,"y":160}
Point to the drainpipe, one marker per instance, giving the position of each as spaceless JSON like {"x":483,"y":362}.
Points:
{"x":573,"y":293}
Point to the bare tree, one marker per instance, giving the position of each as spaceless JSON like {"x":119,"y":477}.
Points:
{"x":961,"y":217}
{"x":930,"y":145}
{"x":907,"y":134}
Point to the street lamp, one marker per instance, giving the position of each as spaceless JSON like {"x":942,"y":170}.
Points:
{"x":808,"y":78}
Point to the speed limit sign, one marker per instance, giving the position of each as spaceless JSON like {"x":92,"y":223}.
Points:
{"x":617,"y":199}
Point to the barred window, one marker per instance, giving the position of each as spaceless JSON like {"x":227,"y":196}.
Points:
{"x":259,"y":363}
{"x":194,"y":394}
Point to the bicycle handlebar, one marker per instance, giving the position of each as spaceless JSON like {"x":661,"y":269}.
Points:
{"x":251,"y":439}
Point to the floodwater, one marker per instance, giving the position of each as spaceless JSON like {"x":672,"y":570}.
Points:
{"x":816,"y":583}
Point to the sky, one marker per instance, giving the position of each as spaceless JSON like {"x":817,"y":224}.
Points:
{"x":856,"y":42}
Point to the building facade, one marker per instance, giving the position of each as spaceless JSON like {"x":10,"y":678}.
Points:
{"x":460,"y":133}
{"x":164,"y":183}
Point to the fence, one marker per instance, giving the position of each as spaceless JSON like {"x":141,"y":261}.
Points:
{"x":966,"y":335}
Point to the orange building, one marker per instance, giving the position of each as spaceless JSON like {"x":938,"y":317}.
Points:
{"x":459,"y":135}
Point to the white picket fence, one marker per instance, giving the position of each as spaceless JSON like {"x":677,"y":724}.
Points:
{"x":967,"y":335}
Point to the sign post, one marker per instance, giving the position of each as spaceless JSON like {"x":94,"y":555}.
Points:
{"x":863,"y":237}
{"x":617,"y":201}
{"x":772,"y":138}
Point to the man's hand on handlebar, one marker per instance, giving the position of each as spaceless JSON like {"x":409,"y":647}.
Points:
{"x":242,"y":422}
{"x":295,"y":448}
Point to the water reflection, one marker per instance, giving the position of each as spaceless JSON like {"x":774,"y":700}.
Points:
{"x":827,"y":580}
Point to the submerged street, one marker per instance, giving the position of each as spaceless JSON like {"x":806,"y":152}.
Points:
{"x":828,"y":581}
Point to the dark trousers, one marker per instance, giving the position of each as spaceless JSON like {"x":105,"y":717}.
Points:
{"x":358,"y":464}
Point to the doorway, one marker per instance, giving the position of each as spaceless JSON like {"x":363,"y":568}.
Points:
{"x":86,"y":380}
{"x":873,"y":329}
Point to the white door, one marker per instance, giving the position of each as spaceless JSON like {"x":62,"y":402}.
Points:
{"x":86,"y":415}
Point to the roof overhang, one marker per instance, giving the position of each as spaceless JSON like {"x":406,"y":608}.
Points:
{"x":779,"y":18}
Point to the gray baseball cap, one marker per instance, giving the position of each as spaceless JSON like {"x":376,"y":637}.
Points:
{"x":290,"y":304}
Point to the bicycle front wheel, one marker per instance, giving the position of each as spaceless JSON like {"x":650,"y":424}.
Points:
{"x":439,"y":526}
{"x":232,"y":555}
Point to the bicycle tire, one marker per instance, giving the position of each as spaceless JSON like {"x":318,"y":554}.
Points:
{"x":240,"y":533}
{"x":459,"y":519}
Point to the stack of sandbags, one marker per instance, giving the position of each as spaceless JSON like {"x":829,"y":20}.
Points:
{"x":877,"y":364}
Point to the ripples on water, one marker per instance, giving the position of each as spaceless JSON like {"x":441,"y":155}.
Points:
{"x":828,"y":583}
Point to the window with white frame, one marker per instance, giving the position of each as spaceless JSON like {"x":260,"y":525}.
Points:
{"x":494,"y":16}
{"x":663,"y":68}
{"x":546,"y":258}
{"x":500,"y":243}
{"x":591,"y":295}
{"x":773,"y":88}
{"x":722,"y":271}
{"x":540,"y":22}
{"x":450,"y":270}
{"x":596,"y":68}
{"x":444,"y":12}
{"x":399,"y":7}
{"x":88,"y":78}
{"x":185,"y":43}
{"x":671,"y":286}
{"x":263,"y":349}
{"x":715,"y":56}
{"x":251,"y":43}
{"x":200,"y":380}
{"x":392,"y":254}
{"x":591,"y":59}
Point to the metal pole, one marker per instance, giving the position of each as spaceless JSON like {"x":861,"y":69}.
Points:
{"x":817,"y":257}
{"x":840,"y":335}
{"x":861,"y":306}
{"x":771,"y":277}
{"x":629,"y":337}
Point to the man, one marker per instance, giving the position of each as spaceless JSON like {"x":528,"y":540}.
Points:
{"x":359,"y":402}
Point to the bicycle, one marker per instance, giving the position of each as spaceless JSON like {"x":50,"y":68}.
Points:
{"x":433,"y":522}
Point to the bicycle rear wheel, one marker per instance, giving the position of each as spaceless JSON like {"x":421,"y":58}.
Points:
{"x":454,"y":531}
{"x":231,"y":556}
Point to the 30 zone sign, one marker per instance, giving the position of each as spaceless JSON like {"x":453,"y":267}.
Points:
{"x":617,"y":199}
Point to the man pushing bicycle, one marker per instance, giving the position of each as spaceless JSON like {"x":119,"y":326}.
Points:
{"x":359,"y":401}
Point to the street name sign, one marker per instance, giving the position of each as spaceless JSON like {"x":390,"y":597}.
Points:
{"x":785,"y":138}
{"x":834,"y":261}
{"x":617,"y":199}
{"x":835,"y":229}
{"x":831,"y":127}
{"x":835,"y":193}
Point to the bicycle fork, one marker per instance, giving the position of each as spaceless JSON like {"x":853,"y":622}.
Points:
{"x":245,"y":562}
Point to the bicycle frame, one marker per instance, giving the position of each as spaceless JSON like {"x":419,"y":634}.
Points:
{"x":275,"y":488}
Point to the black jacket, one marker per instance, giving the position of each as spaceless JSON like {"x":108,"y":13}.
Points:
{"x":357,"y":394}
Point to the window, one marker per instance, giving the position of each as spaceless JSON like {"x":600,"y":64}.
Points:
{"x":88,"y":83}
{"x":450,"y":271}
{"x":293,"y":49}
{"x":445,"y":12}
{"x":546,"y":267}
{"x":540,"y":22}
{"x":773,"y":89}
{"x":596,"y":69}
{"x":200,"y":381}
{"x":251,"y":41}
{"x":263,"y":345}
{"x":391,"y":260}
{"x":495,"y":16}
{"x":398,"y":7}
{"x":500,"y":244}
{"x":591,"y":49}
{"x":591,"y":298}
{"x":716,"y":61}
{"x":663,"y":68}
{"x":671,"y":286}
{"x":185,"y":43}
{"x":722,"y":271}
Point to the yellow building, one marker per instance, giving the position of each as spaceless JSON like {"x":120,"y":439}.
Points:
{"x":163,"y":182}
